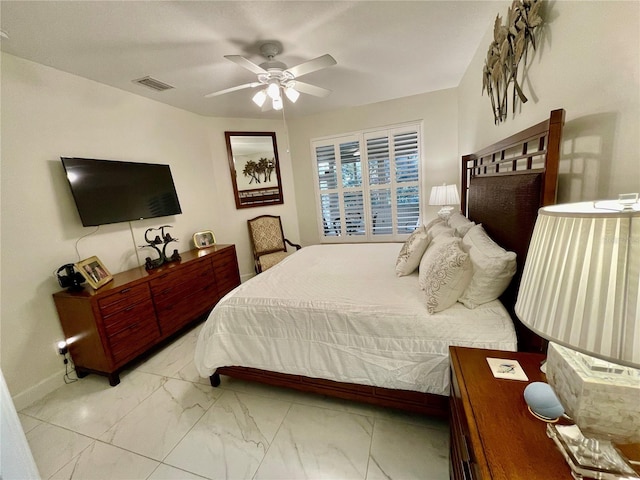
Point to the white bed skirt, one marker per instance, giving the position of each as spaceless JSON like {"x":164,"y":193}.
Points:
{"x":339,"y":312}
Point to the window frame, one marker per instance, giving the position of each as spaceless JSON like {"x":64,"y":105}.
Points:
{"x":390,"y":132}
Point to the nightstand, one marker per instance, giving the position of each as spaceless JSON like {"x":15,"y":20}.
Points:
{"x":493,"y":435}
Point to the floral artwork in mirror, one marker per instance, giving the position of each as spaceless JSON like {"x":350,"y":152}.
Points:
{"x":255,"y":168}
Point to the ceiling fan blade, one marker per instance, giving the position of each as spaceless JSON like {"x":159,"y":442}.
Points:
{"x":311,"y":89}
{"x":233,"y":89}
{"x":244,"y":63}
{"x":312,"y":65}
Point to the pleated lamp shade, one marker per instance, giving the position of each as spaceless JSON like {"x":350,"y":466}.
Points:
{"x":444,"y":195}
{"x":580,"y":281}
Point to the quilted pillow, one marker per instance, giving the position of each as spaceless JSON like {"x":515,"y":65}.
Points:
{"x":411,"y":252}
{"x":493,"y":268}
{"x":445,"y":272}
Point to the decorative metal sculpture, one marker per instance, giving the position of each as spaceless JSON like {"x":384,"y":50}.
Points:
{"x":163,"y":238}
{"x":510,"y":44}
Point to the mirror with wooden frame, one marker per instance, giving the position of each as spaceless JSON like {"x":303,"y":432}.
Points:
{"x":255,"y":168}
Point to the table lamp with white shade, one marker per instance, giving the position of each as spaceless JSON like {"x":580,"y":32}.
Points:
{"x":580,"y":290}
{"x":445,"y":196}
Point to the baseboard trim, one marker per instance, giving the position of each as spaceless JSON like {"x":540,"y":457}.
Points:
{"x":38,"y":391}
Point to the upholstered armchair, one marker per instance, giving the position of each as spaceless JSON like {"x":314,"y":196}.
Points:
{"x":268,"y":242}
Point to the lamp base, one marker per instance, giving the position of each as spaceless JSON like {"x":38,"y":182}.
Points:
{"x":589,"y":458}
{"x":445,"y":212}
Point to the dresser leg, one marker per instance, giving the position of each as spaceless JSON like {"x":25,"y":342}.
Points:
{"x":114,"y":379}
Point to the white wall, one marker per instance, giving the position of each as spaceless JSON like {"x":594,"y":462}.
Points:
{"x":437,"y":111}
{"x":587,"y":63}
{"x":47,"y":114}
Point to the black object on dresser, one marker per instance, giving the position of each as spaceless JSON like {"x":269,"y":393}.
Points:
{"x":107,"y":328}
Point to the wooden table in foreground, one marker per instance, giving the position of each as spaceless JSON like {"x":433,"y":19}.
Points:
{"x":493,"y":435}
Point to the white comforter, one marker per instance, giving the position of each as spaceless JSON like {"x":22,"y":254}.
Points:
{"x":339,"y":312}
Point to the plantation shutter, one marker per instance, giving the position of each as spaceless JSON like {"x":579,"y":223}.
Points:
{"x":368,"y":184}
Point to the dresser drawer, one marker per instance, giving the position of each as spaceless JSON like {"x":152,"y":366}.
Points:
{"x":183,"y":309}
{"x":167,"y":293}
{"x":134,"y":338}
{"x":129,"y":315}
{"x":225,"y":259}
{"x":226,"y":272}
{"x":462,"y":460}
{"x":181,"y":281}
{"x":123,"y":299}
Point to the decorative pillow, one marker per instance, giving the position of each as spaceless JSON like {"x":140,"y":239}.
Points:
{"x":438,"y":243}
{"x":435,"y":221}
{"x":493,"y":268}
{"x":445,"y":272}
{"x":411,"y":252}
{"x":460,"y":223}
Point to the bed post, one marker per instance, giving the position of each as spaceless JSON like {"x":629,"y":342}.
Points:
{"x":464,"y":183}
{"x":550,"y":183}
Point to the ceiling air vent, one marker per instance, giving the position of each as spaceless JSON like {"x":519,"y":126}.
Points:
{"x":153,"y":84}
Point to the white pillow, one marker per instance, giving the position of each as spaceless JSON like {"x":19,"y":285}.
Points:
{"x":411,"y":252}
{"x":460,"y":223}
{"x":439,"y":229}
{"x":445,"y":271}
{"x":493,"y":268}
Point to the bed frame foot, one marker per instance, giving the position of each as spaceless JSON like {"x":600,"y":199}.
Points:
{"x":215,"y":380}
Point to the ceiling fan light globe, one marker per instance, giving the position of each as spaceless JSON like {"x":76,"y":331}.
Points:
{"x":292,"y":94}
{"x":259,"y":98}
{"x":273,"y":90}
{"x":277,"y":103}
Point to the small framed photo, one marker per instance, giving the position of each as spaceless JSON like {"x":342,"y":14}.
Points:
{"x":204,"y":239}
{"x":94,"y":272}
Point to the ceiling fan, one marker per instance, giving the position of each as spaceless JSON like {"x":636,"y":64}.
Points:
{"x":276,"y":77}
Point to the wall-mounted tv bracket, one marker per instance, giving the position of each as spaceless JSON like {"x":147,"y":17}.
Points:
{"x":162,"y":239}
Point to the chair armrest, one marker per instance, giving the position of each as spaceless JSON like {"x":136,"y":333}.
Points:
{"x":298,"y":247}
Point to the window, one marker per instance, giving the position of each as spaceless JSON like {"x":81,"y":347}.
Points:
{"x":368,"y":184}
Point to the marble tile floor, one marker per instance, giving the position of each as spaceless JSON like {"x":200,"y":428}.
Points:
{"x":165,"y":422}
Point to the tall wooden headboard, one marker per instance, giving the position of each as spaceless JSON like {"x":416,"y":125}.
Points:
{"x":503,"y":186}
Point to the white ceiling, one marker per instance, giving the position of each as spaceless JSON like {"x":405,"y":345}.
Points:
{"x":384,"y":49}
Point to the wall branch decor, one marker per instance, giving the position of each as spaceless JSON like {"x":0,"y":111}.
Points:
{"x":510,"y":45}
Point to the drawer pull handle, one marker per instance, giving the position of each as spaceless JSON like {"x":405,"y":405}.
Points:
{"x":129,"y":308}
{"x":125,"y":290}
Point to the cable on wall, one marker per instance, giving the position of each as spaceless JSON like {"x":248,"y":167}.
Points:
{"x":78,"y":241}
{"x":135,"y":247}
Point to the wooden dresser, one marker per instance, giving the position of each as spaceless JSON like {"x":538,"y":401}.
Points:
{"x":493,"y":435}
{"x":107,"y":328}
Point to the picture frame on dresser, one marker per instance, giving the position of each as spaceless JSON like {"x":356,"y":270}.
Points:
{"x":94,"y":272}
{"x":204,"y":239}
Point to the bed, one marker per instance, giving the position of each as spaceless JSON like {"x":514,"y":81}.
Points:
{"x":336,"y":320}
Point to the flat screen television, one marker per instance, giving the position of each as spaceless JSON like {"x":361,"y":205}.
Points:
{"x":109,"y":191}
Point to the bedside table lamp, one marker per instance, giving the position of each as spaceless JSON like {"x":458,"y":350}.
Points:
{"x":579,"y":289}
{"x":445,"y":196}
